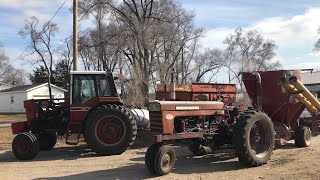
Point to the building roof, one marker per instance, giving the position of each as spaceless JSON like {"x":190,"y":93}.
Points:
{"x":311,"y":78}
{"x":5,"y":86}
{"x":28,"y":88}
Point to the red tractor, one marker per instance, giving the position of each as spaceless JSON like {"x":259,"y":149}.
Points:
{"x":204,"y":125}
{"x":93,"y":110}
{"x":277,"y":97}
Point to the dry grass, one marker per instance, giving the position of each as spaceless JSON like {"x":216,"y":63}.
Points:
{"x":6,"y":138}
{"x":8,"y":118}
{"x":6,"y":135}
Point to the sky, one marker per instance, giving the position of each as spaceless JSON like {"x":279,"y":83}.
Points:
{"x":292,"y":24}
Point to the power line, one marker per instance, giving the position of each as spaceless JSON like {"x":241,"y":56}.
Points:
{"x":43,"y":31}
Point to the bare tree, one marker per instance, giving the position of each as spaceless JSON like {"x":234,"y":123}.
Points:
{"x":4,"y":62}
{"x":41,"y":43}
{"x":66,"y":52}
{"x":145,"y":40}
{"x":317,"y":44}
{"x":206,"y":63}
{"x":97,"y":11}
{"x":249,"y":51}
{"x":8,"y":73}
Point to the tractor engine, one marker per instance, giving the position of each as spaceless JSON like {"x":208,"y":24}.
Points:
{"x":43,"y":115}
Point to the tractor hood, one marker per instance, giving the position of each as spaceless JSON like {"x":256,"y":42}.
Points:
{"x":185,"y":105}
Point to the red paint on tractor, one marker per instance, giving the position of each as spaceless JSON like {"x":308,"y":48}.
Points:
{"x":199,"y":92}
{"x":31,"y":109}
{"x":18,"y":127}
{"x":110,"y":130}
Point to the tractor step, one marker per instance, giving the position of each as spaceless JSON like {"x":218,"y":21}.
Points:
{"x":73,"y":134}
{"x":72,"y":139}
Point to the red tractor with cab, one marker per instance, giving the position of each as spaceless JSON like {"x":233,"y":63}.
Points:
{"x":93,"y":109}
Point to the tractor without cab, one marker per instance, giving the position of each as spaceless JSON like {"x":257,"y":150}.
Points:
{"x":93,"y":109}
{"x":216,"y":123}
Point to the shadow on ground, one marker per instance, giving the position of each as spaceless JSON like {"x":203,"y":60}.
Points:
{"x":65,"y":153}
{"x":70,"y":152}
{"x":185,"y":164}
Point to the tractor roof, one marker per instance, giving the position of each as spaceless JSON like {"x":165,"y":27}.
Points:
{"x":88,"y":72}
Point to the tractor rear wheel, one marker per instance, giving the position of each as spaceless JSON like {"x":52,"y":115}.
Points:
{"x":253,"y":138}
{"x":47,"y":140}
{"x":149,"y":158}
{"x":165,"y":160}
{"x":302,"y":136}
{"x":25,"y":146}
{"x":110,"y":130}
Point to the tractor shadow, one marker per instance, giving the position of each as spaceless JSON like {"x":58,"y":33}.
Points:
{"x":72,"y":152}
{"x":57,"y":153}
{"x":185,"y":164}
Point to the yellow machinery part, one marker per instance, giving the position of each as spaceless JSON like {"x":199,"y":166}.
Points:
{"x":305,"y":92}
{"x":290,"y":88}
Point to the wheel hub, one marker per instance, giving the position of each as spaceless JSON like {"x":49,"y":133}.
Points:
{"x":258,"y":139}
{"x":110,"y":130}
{"x":165,"y":161}
{"x":22,"y":147}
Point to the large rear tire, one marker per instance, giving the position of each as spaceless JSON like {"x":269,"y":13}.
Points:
{"x":25,"y":146}
{"x":302,"y":136}
{"x":253,"y":138}
{"x":110,"y":130}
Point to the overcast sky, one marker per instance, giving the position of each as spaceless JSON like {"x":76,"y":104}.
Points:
{"x":292,"y":24}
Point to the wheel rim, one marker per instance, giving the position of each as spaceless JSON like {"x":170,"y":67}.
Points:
{"x":166,"y":161}
{"x":258,"y":140}
{"x":22,"y":146}
{"x":110,"y":130}
{"x":307,"y":136}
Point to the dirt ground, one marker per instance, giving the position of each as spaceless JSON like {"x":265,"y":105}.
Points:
{"x":78,"y":162}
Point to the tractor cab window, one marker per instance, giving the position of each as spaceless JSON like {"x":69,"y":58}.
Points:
{"x":86,"y":87}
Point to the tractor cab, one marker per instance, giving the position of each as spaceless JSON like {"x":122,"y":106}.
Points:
{"x":86,"y":85}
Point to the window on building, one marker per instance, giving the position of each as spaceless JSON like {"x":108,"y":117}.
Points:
{"x":12,"y":99}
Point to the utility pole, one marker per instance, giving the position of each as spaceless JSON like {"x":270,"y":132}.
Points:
{"x":75,"y":35}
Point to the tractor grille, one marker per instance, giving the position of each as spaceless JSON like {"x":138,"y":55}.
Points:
{"x":156,"y":121}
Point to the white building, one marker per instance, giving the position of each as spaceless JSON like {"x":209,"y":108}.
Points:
{"x":312,"y":81}
{"x":11,"y":100}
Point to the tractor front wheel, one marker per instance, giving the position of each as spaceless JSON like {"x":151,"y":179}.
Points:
{"x":150,"y":157}
{"x":302,"y":136}
{"x":164,"y":160}
{"x":47,"y":140}
{"x":110,"y":130}
{"x":253,"y":138}
{"x":25,"y":146}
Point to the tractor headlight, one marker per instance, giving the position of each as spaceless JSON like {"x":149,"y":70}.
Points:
{"x":154,"y":107}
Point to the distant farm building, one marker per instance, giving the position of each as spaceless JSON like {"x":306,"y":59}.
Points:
{"x":12,"y":99}
{"x":312,"y":81}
